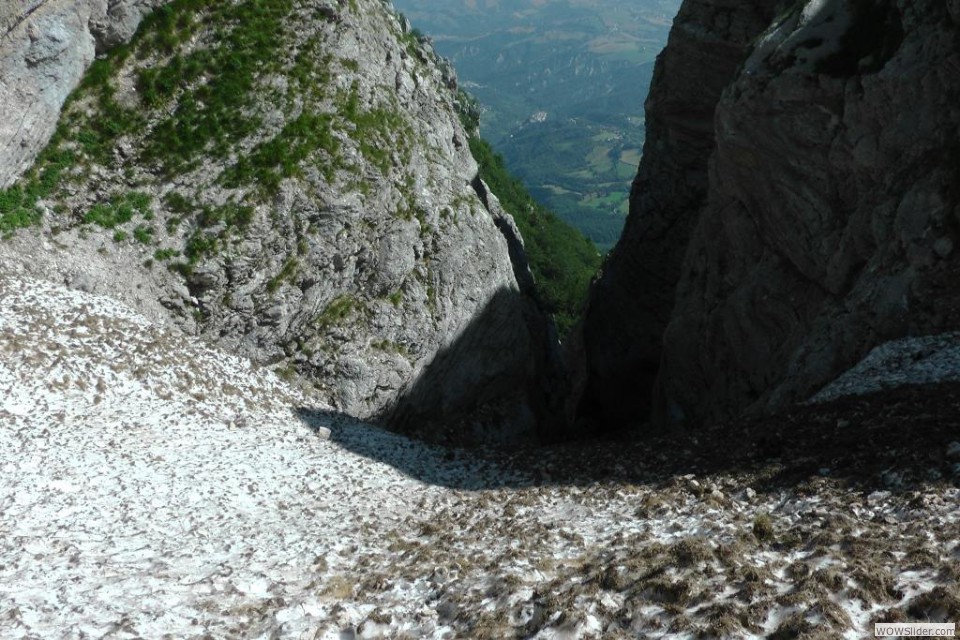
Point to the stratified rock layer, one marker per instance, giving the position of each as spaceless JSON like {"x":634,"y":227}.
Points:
{"x":830,"y":216}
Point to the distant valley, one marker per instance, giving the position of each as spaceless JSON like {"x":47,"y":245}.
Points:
{"x":562,"y":83}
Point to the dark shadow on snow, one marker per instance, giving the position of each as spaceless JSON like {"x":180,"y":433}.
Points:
{"x":469,"y":469}
{"x":895,"y":440}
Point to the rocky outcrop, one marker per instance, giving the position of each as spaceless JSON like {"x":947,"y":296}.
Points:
{"x":45,"y":47}
{"x":830,"y":215}
{"x":292,"y":181}
{"x":631,"y":303}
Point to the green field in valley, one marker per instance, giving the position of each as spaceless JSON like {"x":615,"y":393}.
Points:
{"x":562,"y":83}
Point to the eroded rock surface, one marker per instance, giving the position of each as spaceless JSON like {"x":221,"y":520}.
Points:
{"x":830,"y":214}
{"x":632,"y":302}
{"x":293,"y":182}
{"x":832,"y":210}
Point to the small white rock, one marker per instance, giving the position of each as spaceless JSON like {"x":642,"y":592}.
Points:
{"x":323,"y":433}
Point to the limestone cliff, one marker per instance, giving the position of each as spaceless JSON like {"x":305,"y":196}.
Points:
{"x":291,"y":180}
{"x":799,"y":210}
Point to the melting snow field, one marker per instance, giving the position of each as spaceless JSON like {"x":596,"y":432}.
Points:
{"x":153,"y":487}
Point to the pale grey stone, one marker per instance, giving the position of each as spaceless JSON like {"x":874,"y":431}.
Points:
{"x":83,"y":281}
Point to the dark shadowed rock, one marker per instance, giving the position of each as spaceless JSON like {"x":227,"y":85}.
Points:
{"x":833,"y":184}
{"x":631,"y":303}
{"x":823,"y":225}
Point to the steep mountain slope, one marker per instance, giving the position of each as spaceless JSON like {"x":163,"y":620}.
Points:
{"x":823,"y":225}
{"x":45,"y":46}
{"x":152,"y":486}
{"x":632,"y":302}
{"x":291,"y":180}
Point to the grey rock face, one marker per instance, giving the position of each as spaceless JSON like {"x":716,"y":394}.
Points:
{"x":342,"y":237}
{"x":832,"y":187}
{"x":45,"y":47}
{"x":830,"y":211}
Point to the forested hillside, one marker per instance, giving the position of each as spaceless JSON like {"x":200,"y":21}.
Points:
{"x":562,"y":259}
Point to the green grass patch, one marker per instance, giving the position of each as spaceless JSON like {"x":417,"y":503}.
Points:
{"x":199,"y":245}
{"x":119,"y":209}
{"x":281,"y":157}
{"x":162,"y":255}
{"x":389,"y":346}
{"x":213,"y":226}
{"x":213,"y":86}
{"x":378,"y":132}
{"x":144,"y":234}
{"x":18,"y":203}
{"x":335,"y":313}
{"x":287,"y":272}
{"x":17,"y":210}
{"x":230,"y":215}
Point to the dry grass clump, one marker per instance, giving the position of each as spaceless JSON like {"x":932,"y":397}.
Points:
{"x":651,"y":506}
{"x":831,"y":612}
{"x":733,"y":551}
{"x":338,"y":588}
{"x":763,"y":528}
{"x":691,"y":551}
{"x":942,"y":604}
{"x":874,"y":582}
{"x":892,"y":614}
{"x":725,"y":620}
{"x":614,"y":579}
{"x":667,"y":592}
{"x":920,"y":557}
{"x":830,"y":579}
{"x":795,"y":626}
{"x":490,"y":626}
